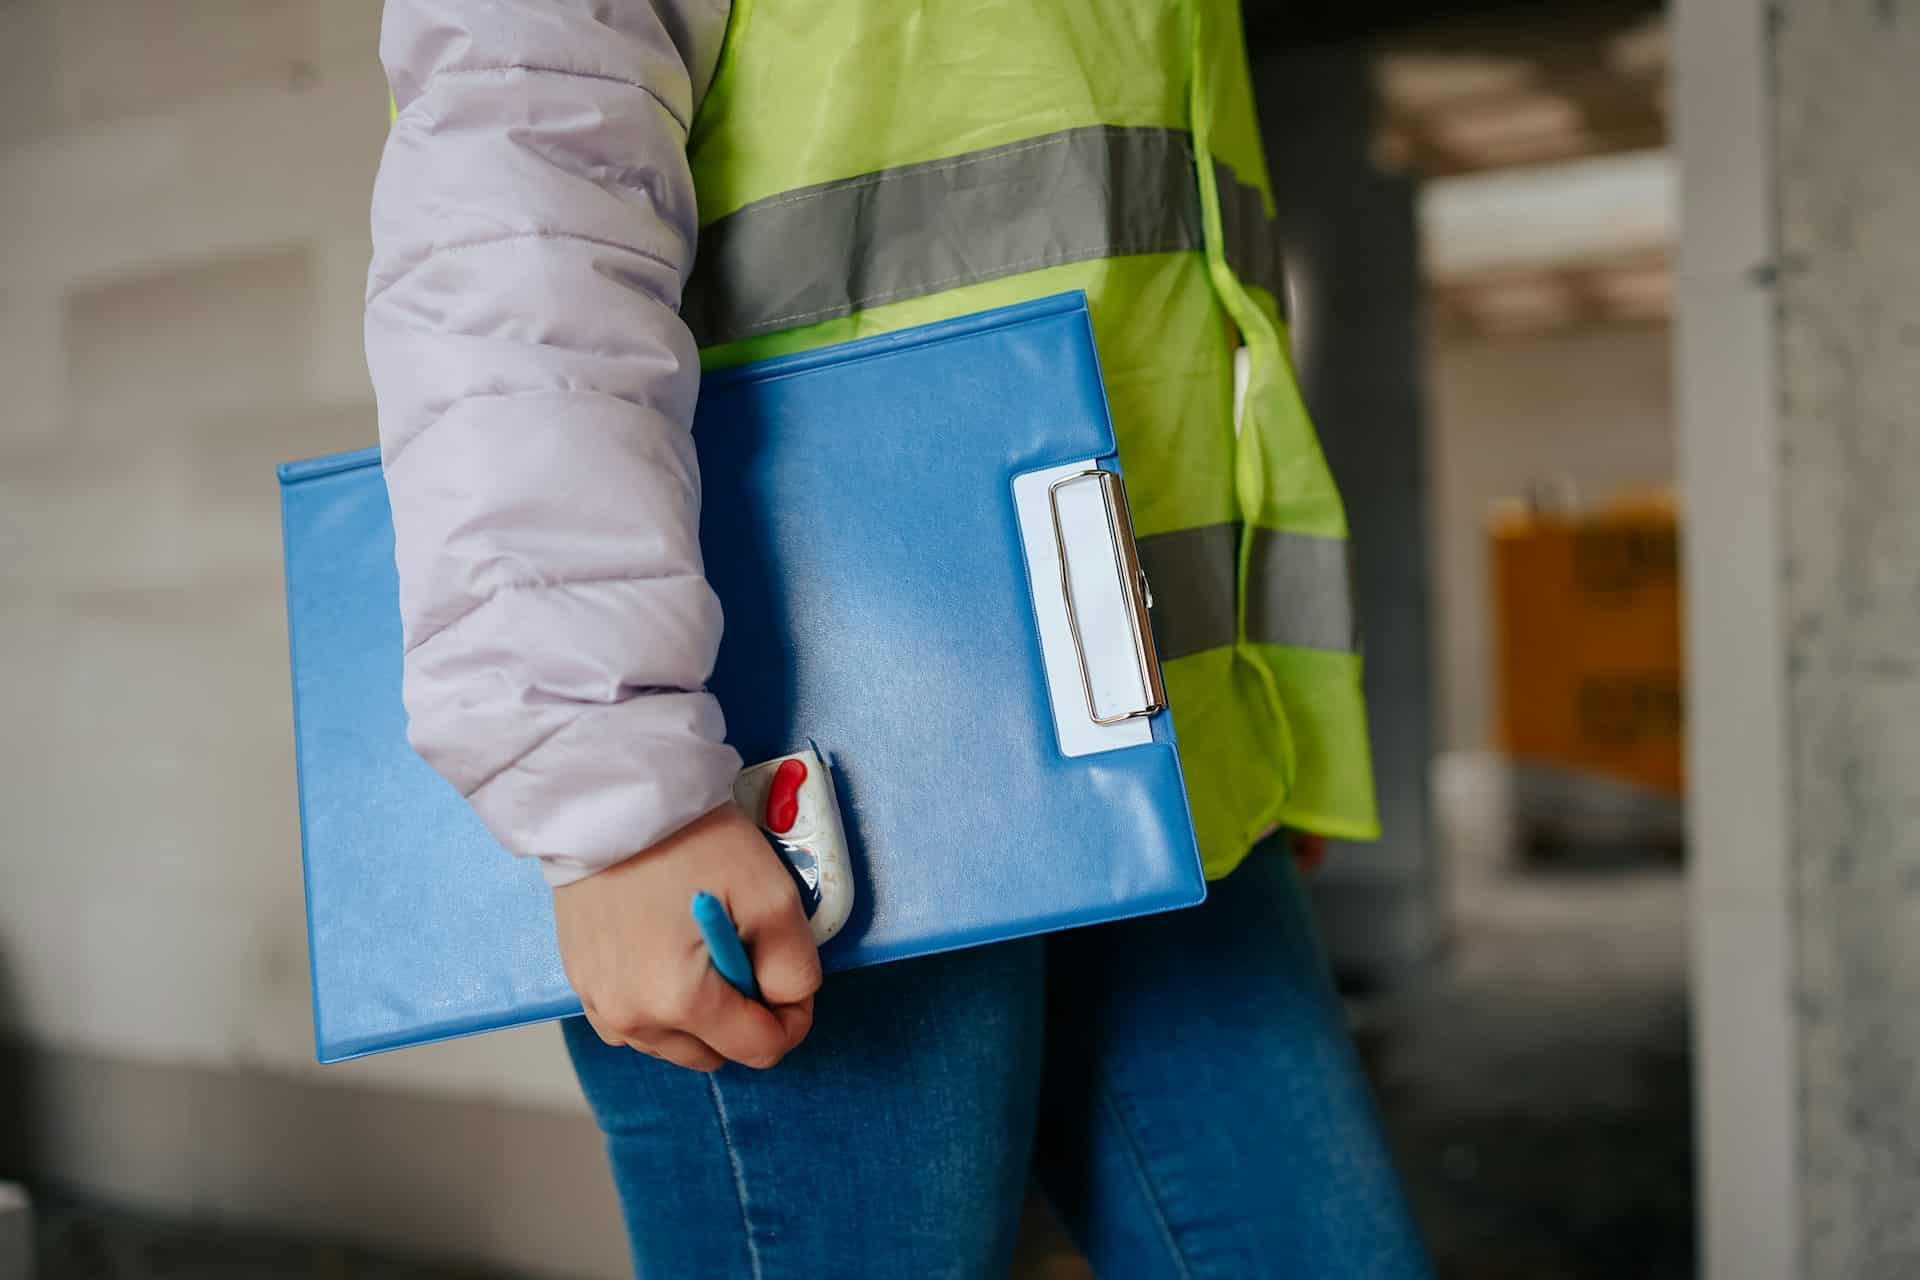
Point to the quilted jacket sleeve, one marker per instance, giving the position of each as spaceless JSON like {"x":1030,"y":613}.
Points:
{"x":533,"y":225}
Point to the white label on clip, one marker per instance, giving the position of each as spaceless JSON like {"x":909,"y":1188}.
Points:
{"x":1106,"y":628}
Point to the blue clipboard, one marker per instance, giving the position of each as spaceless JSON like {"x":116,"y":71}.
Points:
{"x":922,"y":548}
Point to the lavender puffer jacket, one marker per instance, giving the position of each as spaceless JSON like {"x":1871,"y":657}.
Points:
{"x":533,"y":225}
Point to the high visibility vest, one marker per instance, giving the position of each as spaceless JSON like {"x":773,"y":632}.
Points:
{"x":866,"y":165}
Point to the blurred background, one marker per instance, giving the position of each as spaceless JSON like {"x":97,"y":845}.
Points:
{"x":1609,"y":314}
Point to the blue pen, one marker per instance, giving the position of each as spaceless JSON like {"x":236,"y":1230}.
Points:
{"x":723,"y":944}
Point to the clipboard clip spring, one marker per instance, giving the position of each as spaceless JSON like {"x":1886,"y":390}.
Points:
{"x":1133,"y":585}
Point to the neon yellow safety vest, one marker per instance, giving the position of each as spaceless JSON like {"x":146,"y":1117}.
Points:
{"x":866,"y":165}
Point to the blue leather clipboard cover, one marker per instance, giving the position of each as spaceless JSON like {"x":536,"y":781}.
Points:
{"x":859,"y":527}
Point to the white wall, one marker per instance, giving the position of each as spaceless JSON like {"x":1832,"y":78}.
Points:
{"x":1592,"y":404}
{"x":183,"y":193}
{"x":1747,"y":1051}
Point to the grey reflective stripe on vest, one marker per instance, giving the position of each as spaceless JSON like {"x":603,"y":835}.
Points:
{"x":1101,"y":191}
{"x":1299,"y":590}
{"x":1252,"y":241}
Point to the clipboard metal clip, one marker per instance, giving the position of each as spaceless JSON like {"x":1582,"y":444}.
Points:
{"x":1133,"y":586}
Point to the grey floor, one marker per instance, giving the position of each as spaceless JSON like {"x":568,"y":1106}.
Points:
{"x":1535,"y":1087}
{"x":79,"y":1240}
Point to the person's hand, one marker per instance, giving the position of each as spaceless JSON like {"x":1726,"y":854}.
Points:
{"x":636,"y":959}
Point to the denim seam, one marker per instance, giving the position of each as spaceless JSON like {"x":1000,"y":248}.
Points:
{"x":1137,"y":1160}
{"x":739,"y":1175}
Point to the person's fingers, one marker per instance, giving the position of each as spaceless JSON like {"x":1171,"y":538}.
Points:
{"x":609,"y":1035}
{"x":679,"y":1048}
{"x":632,"y":1030}
{"x":743,"y":1030}
{"x":786,"y":963}
{"x":795,"y":1021}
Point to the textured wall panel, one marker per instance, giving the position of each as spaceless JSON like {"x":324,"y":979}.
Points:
{"x":1847,"y":75}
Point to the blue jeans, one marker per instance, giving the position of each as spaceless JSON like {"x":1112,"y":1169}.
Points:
{"x":1181,"y":1087}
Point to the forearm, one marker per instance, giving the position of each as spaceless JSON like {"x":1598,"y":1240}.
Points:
{"x":533,"y":225}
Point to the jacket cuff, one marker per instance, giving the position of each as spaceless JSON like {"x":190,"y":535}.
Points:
{"x":614,"y":781}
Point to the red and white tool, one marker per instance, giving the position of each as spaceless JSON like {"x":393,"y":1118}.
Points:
{"x":792,"y":799}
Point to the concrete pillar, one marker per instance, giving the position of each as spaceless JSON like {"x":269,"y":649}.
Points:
{"x":1349,"y":237}
{"x":1799,"y":376}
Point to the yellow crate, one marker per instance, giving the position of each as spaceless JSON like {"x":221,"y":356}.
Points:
{"x":1587,"y":626}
